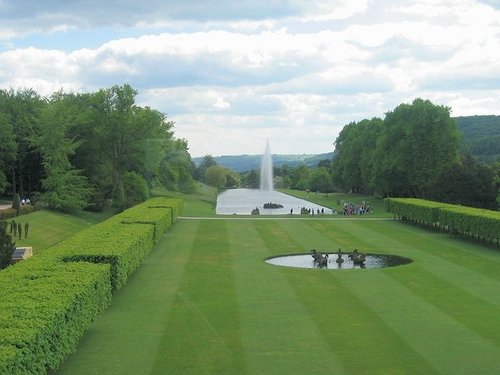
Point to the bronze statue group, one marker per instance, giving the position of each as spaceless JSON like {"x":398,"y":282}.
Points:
{"x":321,"y":259}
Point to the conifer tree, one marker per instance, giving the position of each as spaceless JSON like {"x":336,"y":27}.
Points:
{"x":7,"y":246}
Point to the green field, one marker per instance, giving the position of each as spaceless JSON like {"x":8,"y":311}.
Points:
{"x":46,"y":228}
{"x":205,"y":302}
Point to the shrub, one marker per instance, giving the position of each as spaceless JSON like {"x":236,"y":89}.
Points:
{"x":135,"y":188}
{"x":48,"y":301}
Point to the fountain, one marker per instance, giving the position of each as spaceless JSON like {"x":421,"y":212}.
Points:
{"x":263,"y":201}
{"x":266,"y":170}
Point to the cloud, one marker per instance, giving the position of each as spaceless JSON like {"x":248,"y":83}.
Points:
{"x":231,"y":74}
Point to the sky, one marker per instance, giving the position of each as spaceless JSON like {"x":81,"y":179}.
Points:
{"x":232,"y":74}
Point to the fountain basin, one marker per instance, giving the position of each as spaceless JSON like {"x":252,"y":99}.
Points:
{"x":243,"y":201}
{"x":305,"y":260}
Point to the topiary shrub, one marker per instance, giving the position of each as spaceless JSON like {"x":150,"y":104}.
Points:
{"x":16,"y":203}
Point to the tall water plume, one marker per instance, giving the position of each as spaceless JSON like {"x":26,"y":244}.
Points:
{"x":266,"y":170}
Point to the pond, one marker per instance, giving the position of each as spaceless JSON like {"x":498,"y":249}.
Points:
{"x":305,"y":260}
{"x":243,"y":201}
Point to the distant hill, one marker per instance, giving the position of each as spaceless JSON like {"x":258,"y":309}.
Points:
{"x":481,"y":136}
{"x":242,"y":163}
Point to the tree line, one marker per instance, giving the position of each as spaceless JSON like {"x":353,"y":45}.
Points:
{"x":88,"y":150}
{"x":413,"y":152}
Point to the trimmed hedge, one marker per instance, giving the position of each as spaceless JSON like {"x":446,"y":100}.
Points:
{"x":8,"y":213}
{"x":458,"y":220}
{"x":48,"y":301}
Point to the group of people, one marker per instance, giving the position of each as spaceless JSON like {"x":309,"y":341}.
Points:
{"x":309,"y":211}
{"x":355,"y":209}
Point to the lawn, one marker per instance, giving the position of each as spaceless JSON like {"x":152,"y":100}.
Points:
{"x":48,"y":227}
{"x":205,"y":302}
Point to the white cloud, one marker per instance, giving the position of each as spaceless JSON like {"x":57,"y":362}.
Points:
{"x":294,"y":72}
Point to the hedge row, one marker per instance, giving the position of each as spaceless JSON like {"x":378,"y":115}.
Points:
{"x":47,"y":302}
{"x":458,"y":220}
{"x":8,"y":213}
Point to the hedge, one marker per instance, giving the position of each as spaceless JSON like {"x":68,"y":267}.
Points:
{"x":458,"y":220}
{"x":48,"y":301}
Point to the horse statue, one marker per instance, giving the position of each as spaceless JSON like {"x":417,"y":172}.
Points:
{"x":357,"y":257}
{"x":321,"y":260}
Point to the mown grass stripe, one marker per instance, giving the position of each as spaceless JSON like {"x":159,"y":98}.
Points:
{"x":345,"y":323}
{"x":471,"y":311}
{"x":278,"y":331}
{"x":202,"y":340}
{"x":127,"y":337}
{"x":447,"y":344}
{"x":479,"y":277}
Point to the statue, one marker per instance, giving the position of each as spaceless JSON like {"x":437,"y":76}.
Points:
{"x":321,"y":260}
{"x":357,"y":258}
{"x":339,"y":259}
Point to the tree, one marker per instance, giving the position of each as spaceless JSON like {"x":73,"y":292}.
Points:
{"x":207,"y":162}
{"x":355,"y":147}
{"x":125,"y":133}
{"x":320,"y":180}
{"x":175,"y":171}
{"x":135,"y":189}
{"x":65,"y":187}
{"x":16,"y":203}
{"x":252,"y":179}
{"x":8,"y":150}
{"x":7,"y":246}
{"x":22,"y":110}
{"x":300,"y":177}
{"x":216,"y":176}
{"x":468,"y":183}
{"x":418,"y":142}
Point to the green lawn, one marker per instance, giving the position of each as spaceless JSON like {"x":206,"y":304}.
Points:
{"x":205,"y":302}
{"x":48,"y":227}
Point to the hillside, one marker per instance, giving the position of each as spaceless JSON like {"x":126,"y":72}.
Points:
{"x":242,"y":163}
{"x":481,"y":136}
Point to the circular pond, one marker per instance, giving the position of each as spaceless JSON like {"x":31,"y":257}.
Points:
{"x":305,"y":260}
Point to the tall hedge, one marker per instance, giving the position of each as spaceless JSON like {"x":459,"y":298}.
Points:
{"x":47,"y":302}
{"x":458,"y":220}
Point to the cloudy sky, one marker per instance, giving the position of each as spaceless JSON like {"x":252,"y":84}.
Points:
{"x":233,"y":73}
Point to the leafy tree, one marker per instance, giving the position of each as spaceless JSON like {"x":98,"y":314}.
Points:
{"x":22,"y":109}
{"x":7,"y":246}
{"x":65,"y":187}
{"x":125,"y":137}
{"x":8,"y":150}
{"x":233,"y":180}
{"x":418,"y":142}
{"x":207,"y":162}
{"x":467,"y":182}
{"x":300,"y":177}
{"x":135,"y":189}
{"x":320,"y":180}
{"x":176,"y":168}
{"x":216,"y":176}
{"x":253,"y":179}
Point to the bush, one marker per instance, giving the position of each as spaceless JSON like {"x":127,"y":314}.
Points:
{"x":16,"y":203}
{"x":48,"y":301}
{"x":135,"y":188}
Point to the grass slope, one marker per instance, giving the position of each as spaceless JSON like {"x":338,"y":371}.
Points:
{"x":48,"y":227}
{"x":205,"y":302}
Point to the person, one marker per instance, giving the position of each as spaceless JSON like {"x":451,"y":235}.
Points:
{"x":291,"y":211}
